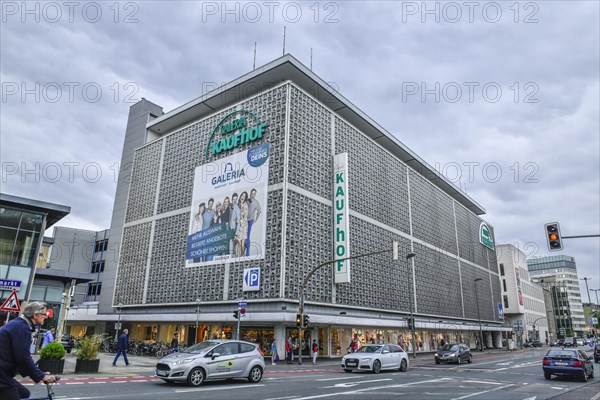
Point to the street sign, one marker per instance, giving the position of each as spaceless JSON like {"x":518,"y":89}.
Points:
{"x":500,"y":311}
{"x":591,"y":343}
{"x":251,"y":281}
{"x":593,"y":321}
{"x":563,"y":331}
{"x":117,"y":325}
{"x":242,"y":303}
{"x":12,"y":303}
{"x":9,"y":284}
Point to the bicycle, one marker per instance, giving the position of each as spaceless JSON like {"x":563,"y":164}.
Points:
{"x":50,"y":391}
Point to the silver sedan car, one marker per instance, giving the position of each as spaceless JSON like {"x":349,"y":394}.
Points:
{"x":376,"y":357}
{"x":213,"y":359}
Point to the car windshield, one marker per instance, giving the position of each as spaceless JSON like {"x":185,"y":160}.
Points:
{"x":449,"y":347}
{"x":369,"y":349}
{"x":562,"y":354}
{"x":199,"y":347}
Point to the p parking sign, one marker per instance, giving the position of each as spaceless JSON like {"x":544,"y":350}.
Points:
{"x":251,"y":279}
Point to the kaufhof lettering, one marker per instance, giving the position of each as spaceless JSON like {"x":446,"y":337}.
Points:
{"x":244,"y":136}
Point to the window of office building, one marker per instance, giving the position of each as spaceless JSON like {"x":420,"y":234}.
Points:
{"x":504,"y":284}
{"x":501,"y":269}
{"x":101,"y":245}
{"x":97,"y":266}
{"x":94,"y":289}
{"x":505,"y":298}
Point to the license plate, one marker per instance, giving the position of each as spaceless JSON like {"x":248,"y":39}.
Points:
{"x":561,"y":363}
{"x":351,"y":364}
{"x":162,"y":373}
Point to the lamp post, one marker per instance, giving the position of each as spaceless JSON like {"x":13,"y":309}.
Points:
{"x":587,"y":288}
{"x":409,"y":256}
{"x":596,"y":290}
{"x":197,"y":314}
{"x":118,"y":324}
{"x":478,"y":315}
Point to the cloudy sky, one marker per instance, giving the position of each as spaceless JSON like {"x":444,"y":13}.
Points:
{"x":501,"y":97}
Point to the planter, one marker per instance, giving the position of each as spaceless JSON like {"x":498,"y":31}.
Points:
{"x":87,"y":366}
{"x":52,"y":366}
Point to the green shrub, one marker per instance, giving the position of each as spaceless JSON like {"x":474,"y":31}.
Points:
{"x":88,"y":347}
{"x":52,"y":351}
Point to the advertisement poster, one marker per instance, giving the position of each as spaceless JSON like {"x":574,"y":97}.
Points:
{"x":229,"y":201}
{"x":519,"y":292}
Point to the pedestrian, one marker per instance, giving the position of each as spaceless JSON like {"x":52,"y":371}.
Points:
{"x":48,"y":337}
{"x":15,"y":342}
{"x":274,"y":352}
{"x":122,"y":347}
{"x":315,"y":351}
{"x":288,"y":350}
{"x":174,"y":344}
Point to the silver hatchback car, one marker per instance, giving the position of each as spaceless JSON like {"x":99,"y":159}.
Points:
{"x":213,"y":359}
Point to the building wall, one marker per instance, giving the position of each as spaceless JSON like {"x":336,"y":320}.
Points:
{"x":564,"y":271}
{"x":304,"y":135}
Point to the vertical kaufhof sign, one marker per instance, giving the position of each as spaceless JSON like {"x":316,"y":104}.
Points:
{"x":341,"y":219}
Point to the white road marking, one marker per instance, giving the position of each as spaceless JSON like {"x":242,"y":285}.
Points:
{"x":336,"y":379}
{"x":217,"y":388}
{"x":350,"y":384}
{"x":486,"y":382}
{"x":478,"y":393}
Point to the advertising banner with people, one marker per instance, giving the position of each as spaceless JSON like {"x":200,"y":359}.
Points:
{"x":229,"y":199}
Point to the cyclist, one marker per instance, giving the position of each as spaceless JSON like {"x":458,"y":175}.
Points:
{"x":15,"y":342}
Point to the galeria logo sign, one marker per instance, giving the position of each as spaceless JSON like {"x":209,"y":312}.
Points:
{"x":485,"y":236}
{"x":241,"y":133}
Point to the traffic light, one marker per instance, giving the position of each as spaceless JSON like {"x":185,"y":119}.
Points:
{"x":299,"y":320}
{"x":236,"y":314}
{"x":411,"y":323}
{"x":306,"y":321}
{"x":553,"y":236}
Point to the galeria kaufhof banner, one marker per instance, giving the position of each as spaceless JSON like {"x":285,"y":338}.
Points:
{"x":229,"y":199}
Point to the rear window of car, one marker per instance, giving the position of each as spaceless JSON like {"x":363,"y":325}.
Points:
{"x":562,"y":354}
{"x":245,"y":348}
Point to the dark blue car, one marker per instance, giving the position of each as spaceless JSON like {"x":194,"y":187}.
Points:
{"x":571,"y":362}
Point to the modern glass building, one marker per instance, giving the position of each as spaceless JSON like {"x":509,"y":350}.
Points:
{"x":229,"y":201}
{"x":559,"y":275}
{"x":22,"y":225}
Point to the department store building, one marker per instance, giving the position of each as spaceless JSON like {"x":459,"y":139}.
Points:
{"x":236,"y":196}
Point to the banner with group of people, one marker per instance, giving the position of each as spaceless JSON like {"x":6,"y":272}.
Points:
{"x":227,"y":220}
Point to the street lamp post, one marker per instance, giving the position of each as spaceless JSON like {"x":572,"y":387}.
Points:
{"x":197,"y":314}
{"x":596,"y":290}
{"x":118,"y":324}
{"x":478,"y":315}
{"x":587,"y":288}
{"x":409,"y":256}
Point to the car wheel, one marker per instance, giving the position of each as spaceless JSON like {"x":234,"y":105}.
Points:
{"x":584,"y":378}
{"x":196,"y":377}
{"x":437,"y":361}
{"x":470,"y":360}
{"x":592,"y":373}
{"x":348,"y":370}
{"x":458,"y":360}
{"x":377,"y":366}
{"x":403,"y":365}
{"x":547,"y":376}
{"x":255,"y":375}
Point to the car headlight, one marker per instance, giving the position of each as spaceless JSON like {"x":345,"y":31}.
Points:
{"x":365,"y":359}
{"x":452,"y":354}
{"x":436,"y":355}
{"x":184,"y":361}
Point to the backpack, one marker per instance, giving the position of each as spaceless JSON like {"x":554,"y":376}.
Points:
{"x":315,"y":348}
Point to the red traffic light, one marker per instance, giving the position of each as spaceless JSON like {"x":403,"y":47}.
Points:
{"x":50,"y":313}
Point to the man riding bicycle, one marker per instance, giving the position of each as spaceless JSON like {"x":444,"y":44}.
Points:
{"x":15,"y":342}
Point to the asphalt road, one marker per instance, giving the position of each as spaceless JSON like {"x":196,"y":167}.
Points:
{"x":513,"y":376}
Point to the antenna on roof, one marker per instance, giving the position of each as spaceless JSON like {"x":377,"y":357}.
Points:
{"x":254,"y":63}
{"x":283,"y":41}
{"x":311,"y":58}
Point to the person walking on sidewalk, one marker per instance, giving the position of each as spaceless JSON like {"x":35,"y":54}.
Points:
{"x":48,"y":337}
{"x":15,"y":342}
{"x":122,"y":347}
{"x":288,"y":351}
{"x":274,"y":352}
{"x":315,"y":351}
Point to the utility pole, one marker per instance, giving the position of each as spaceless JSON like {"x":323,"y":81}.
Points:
{"x":478,"y":315}
{"x":409,"y":256}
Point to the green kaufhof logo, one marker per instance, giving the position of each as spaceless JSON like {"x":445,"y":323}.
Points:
{"x":233,"y":131}
{"x":485,"y":236}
